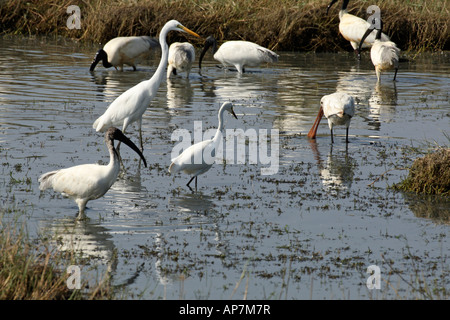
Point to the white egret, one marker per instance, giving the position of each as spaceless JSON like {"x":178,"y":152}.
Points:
{"x":124,"y":50}
{"x":131,"y":105}
{"x":89,"y":181}
{"x":384,"y":54}
{"x":199,"y":158}
{"x":338,"y":108}
{"x":181,"y":57}
{"x":352,"y":28}
{"x":239,"y":54}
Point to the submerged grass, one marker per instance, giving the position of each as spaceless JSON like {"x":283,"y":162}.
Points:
{"x":30,"y":270}
{"x":290,"y":25}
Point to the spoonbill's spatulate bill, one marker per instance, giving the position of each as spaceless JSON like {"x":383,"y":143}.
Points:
{"x":89,"y":181}
{"x":239,"y":54}
{"x":131,"y":105}
{"x":338,"y":108}
{"x":192,"y":160}
{"x":124,"y":50}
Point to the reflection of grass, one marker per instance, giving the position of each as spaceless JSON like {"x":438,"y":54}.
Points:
{"x":279,"y":25}
{"x":30,"y":271}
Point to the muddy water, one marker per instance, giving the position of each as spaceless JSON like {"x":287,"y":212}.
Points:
{"x":309,"y":231}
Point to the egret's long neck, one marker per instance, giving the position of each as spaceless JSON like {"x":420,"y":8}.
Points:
{"x":220,"y":128}
{"x":160,"y":71}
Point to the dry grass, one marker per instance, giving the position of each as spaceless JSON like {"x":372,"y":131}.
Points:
{"x":279,"y":25}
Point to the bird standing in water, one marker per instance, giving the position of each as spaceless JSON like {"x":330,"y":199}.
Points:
{"x":87,"y":182}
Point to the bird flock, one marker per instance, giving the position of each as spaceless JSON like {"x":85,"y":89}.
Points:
{"x":86,"y":182}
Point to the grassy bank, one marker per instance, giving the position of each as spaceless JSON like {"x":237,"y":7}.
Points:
{"x":301,"y":25}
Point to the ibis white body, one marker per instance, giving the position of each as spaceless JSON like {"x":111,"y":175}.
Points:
{"x":338,"y":108}
{"x":199,"y":158}
{"x":239,"y":54}
{"x":87,"y":182}
{"x":352,"y":28}
{"x":131,"y":105}
{"x":181,"y":57}
{"x":125,"y":50}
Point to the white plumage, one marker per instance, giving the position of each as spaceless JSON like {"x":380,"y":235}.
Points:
{"x":88,"y":181}
{"x":181,"y":57}
{"x":352,"y":28}
{"x":131,"y":105}
{"x":199,"y":158}
{"x":338,"y":108}
{"x":125,"y":50}
{"x":384,"y":54}
{"x":239,"y":54}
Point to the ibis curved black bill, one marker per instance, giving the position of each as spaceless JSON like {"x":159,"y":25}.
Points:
{"x":100,"y":56}
{"x":209,"y":42}
{"x":116,"y":134}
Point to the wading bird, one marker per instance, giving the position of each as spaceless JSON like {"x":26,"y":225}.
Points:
{"x":131,"y":105}
{"x":352,"y":28}
{"x":338,"y":108}
{"x":181,"y":57}
{"x":199,"y":158}
{"x":239,"y":54}
{"x":89,"y":181}
{"x":384,"y":54}
{"x":124,"y":50}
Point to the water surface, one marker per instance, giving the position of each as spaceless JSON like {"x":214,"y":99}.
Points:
{"x":309,"y":231}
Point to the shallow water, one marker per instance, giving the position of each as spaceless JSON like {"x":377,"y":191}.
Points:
{"x":308,"y":231}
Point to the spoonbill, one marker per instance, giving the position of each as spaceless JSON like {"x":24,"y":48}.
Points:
{"x":124,"y":50}
{"x":238,"y":53}
{"x":338,"y":108}
{"x":192,"y":160}
{"x":181,"y":57}
{"x":384,"y":54}
{"x":131,"y":105}
{"x":89,"y":181}
{"x":352,"y":28}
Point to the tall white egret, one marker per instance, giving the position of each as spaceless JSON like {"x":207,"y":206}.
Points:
{"x":89,"y":181}
{"x":199,"y":158}
{"x":239,"y":54}
{"x":131,"y":105}
{"x":338,"y":108}
{"x":352,"y":28}
{"x":124,"y":50}
{"x":181,"y":57}
{"x":384,"y":54}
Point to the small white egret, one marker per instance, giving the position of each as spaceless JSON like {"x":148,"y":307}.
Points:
{"x":181,"y":57}
{"x":239,"y":54}
{"x":384,"y":54}
{"x":352,"y":28}
{"x":131,"y":105}
{"x":89,"y":181}
{"x":124,"y":50}
{"x":199,"y":158}
{"x":338,"y":108}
